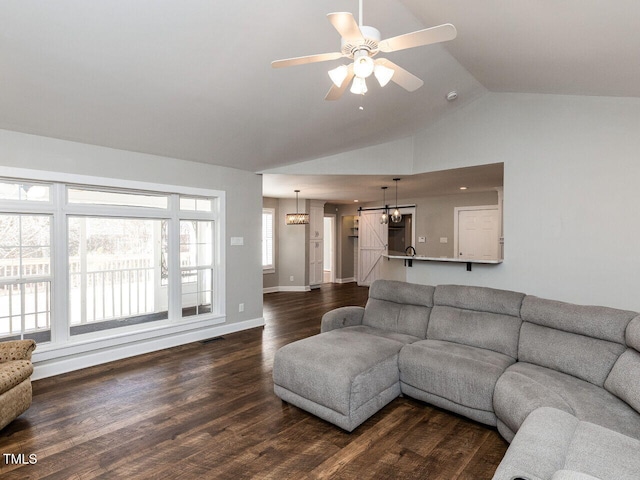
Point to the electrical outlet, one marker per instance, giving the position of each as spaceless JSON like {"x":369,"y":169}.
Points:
{"x":422,"y":239}
{"x":444,"y":240}
{"x":291,"y":278}
{"x":241,"y":307}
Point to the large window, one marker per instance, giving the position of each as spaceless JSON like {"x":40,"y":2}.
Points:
{"x":25,"y":276}
{"x":196,"y":266}
{"x":113,"y":268}
{"x":268,"y":215}
{"x":125,"y":258}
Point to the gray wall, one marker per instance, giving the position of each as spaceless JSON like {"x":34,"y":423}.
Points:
{"x":292,"y":246}
{"x":571,"y":196}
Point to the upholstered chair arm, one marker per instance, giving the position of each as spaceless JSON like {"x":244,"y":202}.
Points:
{"x":16,"y":350}
{"x":342,"y":317}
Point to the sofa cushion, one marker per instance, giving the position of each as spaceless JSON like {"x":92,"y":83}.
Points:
{"x":580,"y":340}
{"x":598,"y":322}
{"x":482,"y":299}
{"x":632,"y":334}
{"x":13,"y":373}
{"x":490,"y":331}
{"x":400,"y":307}
{"x":588,"y":358}
{"x":624,"y":379}
{"x":459,"y":373}
{"x":524,"y":387}
{"x":402,"y":292}
{"x":477,"y":316}
{"x":554,"y":445}
{"x":340,"y":370}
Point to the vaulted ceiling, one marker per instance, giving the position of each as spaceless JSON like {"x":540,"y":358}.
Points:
{"x":192,"y":79}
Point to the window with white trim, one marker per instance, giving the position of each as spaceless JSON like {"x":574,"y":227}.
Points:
{"x":126,"y":259}
{"x":268,"y":218}
{"x":25,"y":276}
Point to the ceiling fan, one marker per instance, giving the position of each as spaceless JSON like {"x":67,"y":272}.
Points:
{"x":362,"y":43}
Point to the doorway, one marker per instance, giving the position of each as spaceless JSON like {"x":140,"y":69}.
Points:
{"x":329,"y":262}
{"x":401,"y":235}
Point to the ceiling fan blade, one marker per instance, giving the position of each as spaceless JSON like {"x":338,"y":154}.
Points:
{"x":321,"y":57}
{"x":336,"y":92}
{"x":406,"y":80}
{"x":346,"y":26}
{"x":441,"y":33}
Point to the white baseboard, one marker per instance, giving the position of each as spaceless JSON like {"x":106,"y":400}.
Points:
{"x":64,"y":364}
{"x":346,"y":280}
{"x":302,"y":288}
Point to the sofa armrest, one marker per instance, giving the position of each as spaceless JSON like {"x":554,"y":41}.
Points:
{"x":16,"y":350}
{"x":342,"y":317}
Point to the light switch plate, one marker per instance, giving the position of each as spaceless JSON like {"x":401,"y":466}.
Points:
{"x":422,"y":239}
{"x":237,"y":240}
{"x":444,"y":240}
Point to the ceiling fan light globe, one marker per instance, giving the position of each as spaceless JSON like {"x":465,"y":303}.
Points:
{"x":359,"y":86}
{"x":338,"y":75}
{"x":363,"y":64}
{"x":383,"y":74}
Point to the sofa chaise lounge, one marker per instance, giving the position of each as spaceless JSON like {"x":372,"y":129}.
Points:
{"x":556,"y":379}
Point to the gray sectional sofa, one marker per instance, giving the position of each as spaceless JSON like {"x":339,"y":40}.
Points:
{"x":561,"y":382}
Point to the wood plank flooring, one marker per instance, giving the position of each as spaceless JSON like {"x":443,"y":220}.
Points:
{"x":207,"y":410}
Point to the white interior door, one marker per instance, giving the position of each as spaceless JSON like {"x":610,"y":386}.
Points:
{"x":372,"y":244}
{"x":477,"y":233}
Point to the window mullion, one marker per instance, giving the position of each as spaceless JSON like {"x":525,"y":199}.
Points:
{"x":59,"y":269}
{"x":173,"y":260}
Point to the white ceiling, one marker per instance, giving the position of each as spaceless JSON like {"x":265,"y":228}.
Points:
{"x":191,"y":79}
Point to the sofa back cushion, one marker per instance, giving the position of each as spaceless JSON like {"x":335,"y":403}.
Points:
{"x":399,"y":307}
{"x":579,"y":340}
{"x":624,"y":379}
{"x":477,"y":316}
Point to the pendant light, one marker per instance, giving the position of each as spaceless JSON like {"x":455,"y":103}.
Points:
{"x":297,"y":218}
{"x":384,"y":219}
{"x":396,"y":216}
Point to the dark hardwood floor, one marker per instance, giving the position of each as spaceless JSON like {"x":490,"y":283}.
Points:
{"x":207,"y":410}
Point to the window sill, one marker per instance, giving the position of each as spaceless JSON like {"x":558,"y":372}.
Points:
{"x":268,"y":270}
{"x":124,"y":335}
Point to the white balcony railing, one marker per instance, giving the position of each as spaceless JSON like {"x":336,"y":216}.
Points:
{"x":106,"y":287}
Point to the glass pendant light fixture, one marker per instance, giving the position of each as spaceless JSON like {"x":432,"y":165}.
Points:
{"x":384,"y":219}
{"x":396,"y":216}
{"x":297,"y":218}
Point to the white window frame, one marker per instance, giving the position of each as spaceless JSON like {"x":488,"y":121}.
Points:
{"x":269,"y":268}
{"x":21,"y":207}
{"x":62,"y":344}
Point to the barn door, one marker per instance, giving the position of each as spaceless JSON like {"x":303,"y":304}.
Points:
{"x":372,"y":244}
